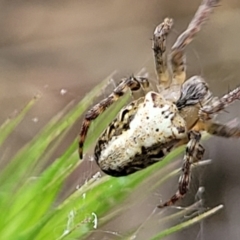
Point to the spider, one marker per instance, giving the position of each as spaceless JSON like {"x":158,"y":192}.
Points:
{"x":156,"y":122}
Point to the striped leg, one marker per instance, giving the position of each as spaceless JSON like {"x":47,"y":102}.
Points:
{"x":178,"y":60}
{"x":222,"y":130}
{"x":194,"y":152}
{"x":217,"y":105}
{"x":134,"y":84}
{"x":143,"y":90}
{"x":159,"y":49}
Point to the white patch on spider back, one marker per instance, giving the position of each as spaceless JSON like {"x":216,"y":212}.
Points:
{"x":156,"y":122}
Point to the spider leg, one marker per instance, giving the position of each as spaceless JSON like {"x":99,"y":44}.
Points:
{"x":222,"y":130}
{"x":159,"y":49}
{"x":217,"y":129}
{"x":143,"y":90}
{"x":207,"y":111}
{"x":177,"y":57}
{"x":194,"y":152}
{"x":132,"y":83}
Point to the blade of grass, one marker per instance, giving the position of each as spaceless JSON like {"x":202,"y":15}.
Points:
{"x":29,"y":155}
{"x":186,"y":224}
{"x":10,"y":124}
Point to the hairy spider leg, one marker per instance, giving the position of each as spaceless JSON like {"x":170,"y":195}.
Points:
{"x":132,"y":83}
{"x":222,"y":130}
{"x":177,"y":56}
{"x":194,"y":152}
{"x":207,"y":111}
{"x":159,"y":49}
{"x":143,"y":90}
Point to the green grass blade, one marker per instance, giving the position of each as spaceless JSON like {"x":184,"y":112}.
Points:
{"x":30,"y":154}
{"x":186,"y":224}
{"x":10,"y":124}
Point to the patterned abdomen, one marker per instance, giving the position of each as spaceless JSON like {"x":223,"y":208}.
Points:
{"x":152,"y":129}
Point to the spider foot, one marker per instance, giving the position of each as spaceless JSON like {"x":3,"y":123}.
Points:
{"x":177,"y":196}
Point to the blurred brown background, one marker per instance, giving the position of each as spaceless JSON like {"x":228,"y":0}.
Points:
{"x":47,"y":46}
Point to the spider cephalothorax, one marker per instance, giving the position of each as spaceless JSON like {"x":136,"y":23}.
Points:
{"x":156,"y":122}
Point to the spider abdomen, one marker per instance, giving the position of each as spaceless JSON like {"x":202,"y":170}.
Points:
{"x":155,"y":127}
